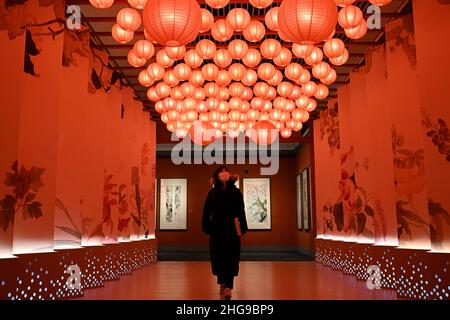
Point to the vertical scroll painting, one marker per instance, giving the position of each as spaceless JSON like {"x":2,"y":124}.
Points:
{"x":306,"y":198}
{"x":257,"y":203}
{"x":173,"y":204}
{"x":299,"y":202}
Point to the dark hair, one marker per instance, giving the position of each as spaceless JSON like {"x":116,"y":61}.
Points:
{"x":216,"y":174}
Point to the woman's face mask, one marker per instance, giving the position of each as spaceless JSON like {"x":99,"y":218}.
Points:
{"x":224,"y":176}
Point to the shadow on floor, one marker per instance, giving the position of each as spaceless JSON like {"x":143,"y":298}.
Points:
{"x":247,"y":254}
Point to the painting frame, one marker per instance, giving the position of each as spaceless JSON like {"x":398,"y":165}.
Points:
{"x":306,"y":199}
{"x":179,"y":199}
{"x":298,"y":196}
{"x":249,"y":185}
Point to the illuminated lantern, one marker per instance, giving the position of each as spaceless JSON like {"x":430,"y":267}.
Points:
{"x":224,"y":93}
{"x":212,"y":89}
{"x":293,"y":71}
{"x":307,"y":21}
{"x":120,"y":35}
{"x":271,"y":19}
{"x":193,"y":59}
{"x":196,"y":78}
{"x":276,"y":79}
{"x":343,"y":3}
{"x":279,"y":103}
{"x":163,"y":60}
{"x":254,"y":32}
{"x":210,"y":71}
{"x":315,"y":57}
{"x":128,"y":19}
{"x":190,"y":104}
{"x":350,"y":16}
{"x":137,"y":4}
{"x":263,"y":132}
{"x":311,"y":106}
{"x":134,"y":60}
{"x":266,"y":71}
{"x":257,"y":103}
{"x":187,"y":89}
{"x":275,"y":114}
{"x":237,"y":49}
{"x":171,"y":78}
{"x":144,"y":79}
{"x":237,"y":71}
{"x":300,"y":114}
{"x":235,"y":104}
{"x":304,"y":78}
{"x":224,"y":107}
{"x":207,"y":20}
{"x":163,"y":90}
{"x":247,"y":94}
{"x":202,"y":133}
{"x":206,"y":49}
{"x":260,"y":4}
{"x":333,"y":48}
{"x":380,"y":3}
{"x":283,"y":58}
{"x":236,"y":89}
{"x":221,"y":30}
{"x":322,"y":91}
{"x":357,"y":32}
{"x":182,"y":71}
{"x":159,"y":107}
{"x":101,"y":4}
{"x":152,"y":94}
{"x":223,"y":78}
{"x":143,"y":49}
{"x":321,"y":70}
{"x":155,"y":71}
{"x":285,"y":88}
{"x":341,"y":60}
{"x":176,"y":93}
{"x":286,"y":133}
{"x":238,"y":18}
{"x":309,"y":89}
{"x":175,"y":53}
{"x":261,"y":89}
{"x":267,"y":105}
{"x":252,"y":58}
{"x":283,"y":36}
{"x":331,"y":78}
{"x":250,"y":77}
{"x":302,"y":50}
{"x":296,"y":93}
{"x":270,"y":48}
{"x":222,"y":58}
{"x":147,"y":37}
{"x":302,"y":102}
{"x":172,"y":22}
{"x":217,"y":4}
{"x":201,"y":107}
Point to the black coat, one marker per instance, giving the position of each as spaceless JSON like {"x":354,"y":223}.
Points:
{"x":219,"y":211}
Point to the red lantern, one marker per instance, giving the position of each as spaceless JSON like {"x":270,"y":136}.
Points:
{"x":217,"y":4}
{"x":134,"y":60}
{"x":250,"y":77}
{"x":207,"y":20}
{"x":144,"y":79}
{"x":155,"y":71}
{"x":252,"y":58}
{"x":222,"y":58}
{"x":237,"y":49}
{"x":331,"y":78}
{"x":276,"y":78}
{"x":293,"y":71}
{"x":210,"y":71}
{"x":176,"y":53}
{"x":283,"y":58}
{"x":341,"y":60}
{"x":221,"y":30}
{"x":193,"y":59}
{"x":182,"y":71}
{"x":129,"y":19}
{"x":260,"y":4}
{"x":263,"y":132}
{"x":196,"y":78}
{"x":121,"y":35}
{"x":350,"y":16}
{"x":163,"y":59}
{"x":171,"y":78}
{"x":223,"y":78}
{"x":255,"y":31}
{"x":333,"y":48}
{"x":144,"y":49}
{"x":202,"y":133}
{"x":172,"y":22}
{"x":212,"y":89}
{"x":285,"y":88}
{"x":163,"y":90}
{"x":237,"y":71}
{"x":270,"y":48}
{"x":322,"y":91}
{"x":266,"y":71}
{"x":238,"y":18}
{"x":357,"y":32}
{"x":304,"y":78}
{"x":315,"y":57}
{"x":101,"y":4}
{"x":271,"y":19}
{"x":302,"y":50}
{"x":343,"y":3}
{"x":307,"y":21}
{"x":309,"y":89}
{"x":236,"y":89}
{"x":261,"y":89}
{"x":321,"y":70}
{"x":206,"y":49}
{"x":380,"y":3}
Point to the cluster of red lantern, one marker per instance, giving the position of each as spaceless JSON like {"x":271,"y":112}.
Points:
{"x":237,"y":91}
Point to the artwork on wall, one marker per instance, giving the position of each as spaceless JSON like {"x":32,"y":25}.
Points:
{"x":257,"y":203}
{"x":173,"y":204}
{"x":156,"y":199}
{"x":299,"y":202}
{"x":306,"y":198}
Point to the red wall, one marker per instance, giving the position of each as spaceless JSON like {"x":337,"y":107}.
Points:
{"x":284,"y":217}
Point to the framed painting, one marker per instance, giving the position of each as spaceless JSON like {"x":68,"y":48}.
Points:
{"x":299,"y":202}
{"x":257,"y":203}
{"x":173,"y":204}
{"x":306,"y":198}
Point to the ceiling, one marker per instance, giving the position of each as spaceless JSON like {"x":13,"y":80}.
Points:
{"x":100,"y":21}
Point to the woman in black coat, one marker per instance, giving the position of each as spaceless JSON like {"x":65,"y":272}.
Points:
{"x":224,"y":221}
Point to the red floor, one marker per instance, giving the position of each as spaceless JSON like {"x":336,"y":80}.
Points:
{"x":175,"y":280}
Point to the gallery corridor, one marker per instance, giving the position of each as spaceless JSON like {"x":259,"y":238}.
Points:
{"x":224,"y":149}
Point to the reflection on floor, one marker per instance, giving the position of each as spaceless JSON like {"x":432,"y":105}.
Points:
{"x":177,"y":280}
